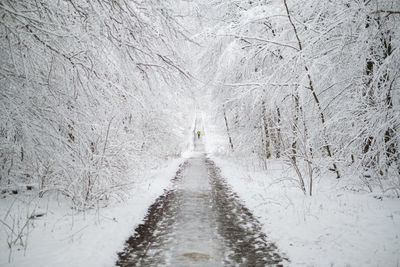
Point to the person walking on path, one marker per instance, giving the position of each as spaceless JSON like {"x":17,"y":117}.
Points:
{"x":198,"y":134}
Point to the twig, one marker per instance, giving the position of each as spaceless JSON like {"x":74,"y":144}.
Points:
{"x":261,"y":40}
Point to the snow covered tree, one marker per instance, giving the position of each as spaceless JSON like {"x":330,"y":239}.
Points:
{"x":311,"y":82}
{"x":88,"y":94}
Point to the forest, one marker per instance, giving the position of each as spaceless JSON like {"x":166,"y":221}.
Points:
{"x":95,"y":94}
{"x":312,"y":83}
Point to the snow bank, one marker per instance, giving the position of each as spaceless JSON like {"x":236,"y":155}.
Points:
{"x":333,"y":228}
{"x":65,"y":238}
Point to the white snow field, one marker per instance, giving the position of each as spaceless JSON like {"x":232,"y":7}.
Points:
{"x":64,"y":237}
{"x":335,"y":227}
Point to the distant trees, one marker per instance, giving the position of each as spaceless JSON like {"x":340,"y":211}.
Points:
{"x":86,"y":94}
{"x":313,"y":82}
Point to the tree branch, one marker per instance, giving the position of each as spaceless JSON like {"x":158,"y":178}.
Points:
{"x":390,"y":12}
{"x":261,"y":40}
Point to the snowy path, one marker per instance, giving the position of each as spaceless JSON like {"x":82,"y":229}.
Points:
{"x":199,"y":222}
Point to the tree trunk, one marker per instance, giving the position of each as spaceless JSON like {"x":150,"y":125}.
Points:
{"x":316,"y":99}
{"x":267,"y":144}
{"x":227,"y":129}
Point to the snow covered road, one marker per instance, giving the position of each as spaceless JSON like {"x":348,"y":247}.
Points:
{"x":199,"y":222}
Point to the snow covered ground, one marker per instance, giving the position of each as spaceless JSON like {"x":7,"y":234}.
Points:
{"x":63,"y":237}
{"x":332,"y":228}
{"x":335,"y":227}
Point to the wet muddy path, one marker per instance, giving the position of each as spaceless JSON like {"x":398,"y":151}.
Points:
{"x":199,"y":222}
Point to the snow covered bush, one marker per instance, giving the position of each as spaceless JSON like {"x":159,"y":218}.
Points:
{"x":86,"y":91}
